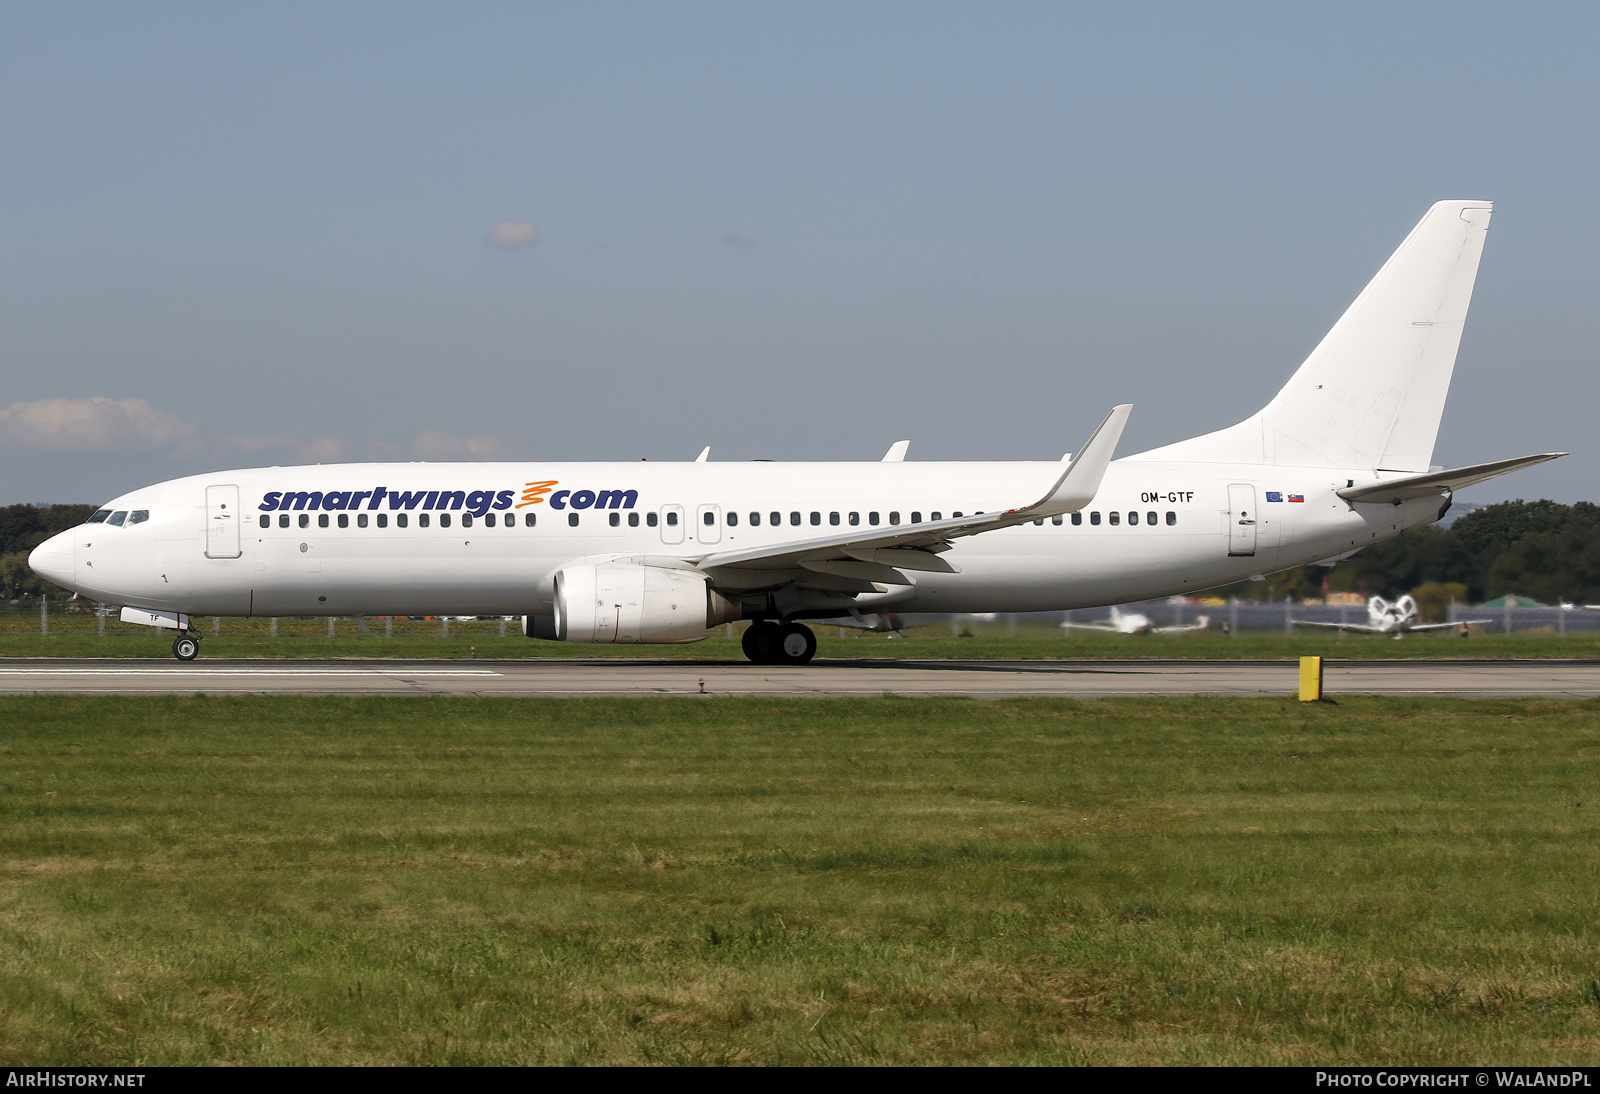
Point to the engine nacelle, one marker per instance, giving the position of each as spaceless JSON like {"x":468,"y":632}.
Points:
{"x":626,"y":602}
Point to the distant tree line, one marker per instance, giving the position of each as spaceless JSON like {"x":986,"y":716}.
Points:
{"x":24,"y":527}
{"x":1541,"y":549}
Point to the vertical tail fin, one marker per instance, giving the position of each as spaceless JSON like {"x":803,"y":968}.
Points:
{"x":1372,"y":393}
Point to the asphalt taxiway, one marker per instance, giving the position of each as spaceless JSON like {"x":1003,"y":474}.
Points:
{"x":614,"y":677}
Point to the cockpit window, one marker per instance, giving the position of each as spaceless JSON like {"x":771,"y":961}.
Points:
{"x":118,"y":517}
{"x":99,"y":517}
{"x":138,"y":516}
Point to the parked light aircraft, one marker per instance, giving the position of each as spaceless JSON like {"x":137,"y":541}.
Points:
{"x":1122,"y":622}
{"x":660,"y":552}
{"x":1398,"y":618}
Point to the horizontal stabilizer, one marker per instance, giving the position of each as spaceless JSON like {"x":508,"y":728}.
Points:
{"x":1438,"y":482}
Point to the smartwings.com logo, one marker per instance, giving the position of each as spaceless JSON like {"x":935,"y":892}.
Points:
{"x":476,"y":502}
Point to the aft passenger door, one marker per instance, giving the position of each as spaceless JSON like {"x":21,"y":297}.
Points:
{"x":672,"y":524}
{"x":1241,"y":519}
{"x":222,"y":522}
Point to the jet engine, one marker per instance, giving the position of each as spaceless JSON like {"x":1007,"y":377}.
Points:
{"x":628,"y":602}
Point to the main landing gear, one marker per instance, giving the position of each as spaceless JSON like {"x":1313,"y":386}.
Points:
{"x":768,"y":643}
{"x":186,"y":647}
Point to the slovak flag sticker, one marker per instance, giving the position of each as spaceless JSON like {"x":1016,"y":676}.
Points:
{"x":1297,"y":497}
{"x":1273,"y":495}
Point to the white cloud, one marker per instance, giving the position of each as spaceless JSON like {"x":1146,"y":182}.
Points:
{"x":323,"y":450}
{"x":433,"y":444}
{"x":94,"y":424}
{"x":512,"y":233}
{"x":734,"y":239}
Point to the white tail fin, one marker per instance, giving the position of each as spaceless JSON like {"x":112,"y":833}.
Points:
{"x":1372,"y":393}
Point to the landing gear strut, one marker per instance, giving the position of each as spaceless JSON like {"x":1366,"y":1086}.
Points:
{"x":186,"y":647}
{"x":769,"y":643}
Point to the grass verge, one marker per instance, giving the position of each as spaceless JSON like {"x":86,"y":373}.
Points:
{"x":309,"y":638}
{"x":280,"y":880}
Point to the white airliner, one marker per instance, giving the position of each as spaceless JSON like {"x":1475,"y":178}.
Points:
{"x":660,"y":552}
{"x":1398,"y":618}
{"x":1122,"y":622}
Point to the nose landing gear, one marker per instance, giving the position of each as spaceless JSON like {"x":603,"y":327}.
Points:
{"x":186,"y":647}
{"x":769,"y":643}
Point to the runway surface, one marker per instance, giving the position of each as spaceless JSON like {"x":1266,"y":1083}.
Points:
{"x":981,"y":679}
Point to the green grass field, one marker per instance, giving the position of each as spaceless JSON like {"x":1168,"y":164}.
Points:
{"x":76,"y":635}
{"x":273,"y":880}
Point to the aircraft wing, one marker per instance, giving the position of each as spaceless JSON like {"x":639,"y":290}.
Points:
{"x":1339,"y":626}
{"x":1182,"y":628}
{"x":878,"y":554}
{"x":1091,"y":627}
{"x":1438,"y":482}
{"x":1457,"y":623}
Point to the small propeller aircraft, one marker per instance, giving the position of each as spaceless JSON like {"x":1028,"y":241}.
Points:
{"x":1397,"y":618}
{"x":1134,"y":623}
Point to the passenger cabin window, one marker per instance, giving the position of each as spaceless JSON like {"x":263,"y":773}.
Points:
{"x":401,"y":520}
{"x":755,"y":520}
{"x":466,"y":520}
{"x":488,"y":520}
{"x":1056,"y":520}
{"x":422,"y":520}
{"x":816,"y":518}
{"x":344,"y":520}
{"x":672,"y":520}
{"x":1133,"y":518}
{"x":138,"y":516}
{"x":1039,"y":522}
{"x":1116,"y":518}
{"x":616,"y":519}
{"x":872,"y":518}
{"x":444,"y":520}
{"x":957,"y":513}
{"x":794,"y":518}
{"x":710,"y":519}
{"x":833,"y":518}
{"x":1172,"y":518}
{"x":572,"y":520}
{"x":322,"y":520}
{"x":649,"y":519}
{"x":935,"y":516}
{"x":855,"y":519}
{"x":733,"y":519}
{"x":529,"y":520}
{"x":774,"y":519}
{"x":1077,"y":518}
{"x":305,"y":520}
{"x":99,"y":517}
{"x":383,"y":520}
{"x":633,"y":520}
{"x":266,"y":521}
{"x":1094,"y":518}
{"x":118,"y":517}
{"x":1150,"y":518}
{"x":894,"y":517}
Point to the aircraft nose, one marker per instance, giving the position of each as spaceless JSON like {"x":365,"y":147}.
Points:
{"x":55,"y":560}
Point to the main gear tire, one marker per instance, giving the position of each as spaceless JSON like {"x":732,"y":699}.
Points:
{"x":796,"y":645}
{"x":759,"y":641}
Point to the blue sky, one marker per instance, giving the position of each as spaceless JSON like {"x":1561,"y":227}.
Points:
{"x":787,"y":231}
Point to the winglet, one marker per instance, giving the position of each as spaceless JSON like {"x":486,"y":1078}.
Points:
{"x":1080,"y":482}
{"x":896,"y":453}
{"x":705,"y":454}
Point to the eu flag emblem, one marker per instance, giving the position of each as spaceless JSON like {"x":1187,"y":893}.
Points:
{"x":1273,"y":495}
